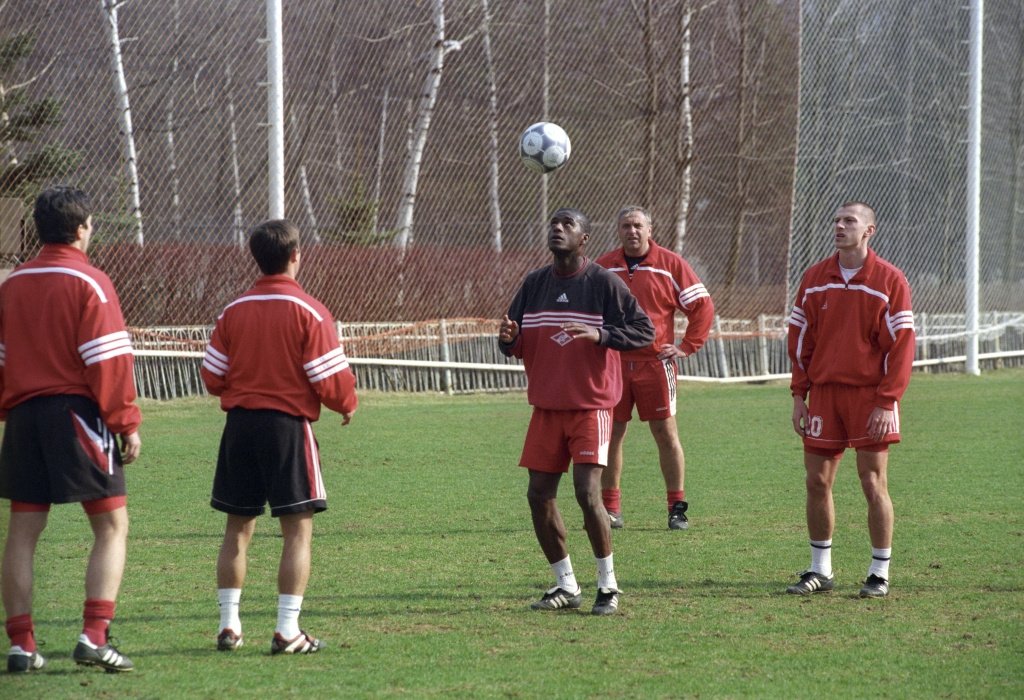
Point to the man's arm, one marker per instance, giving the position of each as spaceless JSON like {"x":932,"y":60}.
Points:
{"x":328,"y":370}
{"x":898,"y":340}
{"x":626,"y":325}
{"x":800,"y":345}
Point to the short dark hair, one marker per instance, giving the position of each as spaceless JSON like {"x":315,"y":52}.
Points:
{"x":272,"y":244}
{"x":58,"y":213}
{"x":582,"y":219}
{"x":870,"y":210}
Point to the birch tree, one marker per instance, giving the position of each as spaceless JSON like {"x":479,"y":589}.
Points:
{"x":109,"y":8}
{"x":424,"y":113}
{"x":495,"y":202}
{"x":684,"y":133}
{"x":237,"y":224}
{"x":172,"y":157}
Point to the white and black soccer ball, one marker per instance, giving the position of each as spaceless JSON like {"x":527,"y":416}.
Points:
{"x":544,"y":147}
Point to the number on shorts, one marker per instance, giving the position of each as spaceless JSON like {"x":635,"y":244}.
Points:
{"x":815,"y":427}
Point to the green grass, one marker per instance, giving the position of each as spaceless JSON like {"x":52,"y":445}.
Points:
{"x":426,"y":562}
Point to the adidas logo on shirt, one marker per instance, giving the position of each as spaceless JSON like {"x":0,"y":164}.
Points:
{"x":562,"y":299}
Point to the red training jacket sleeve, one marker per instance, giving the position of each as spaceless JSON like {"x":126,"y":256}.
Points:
{"x":328,"y":369}
{"x":898,"y":341}
{"x":800,"y":345}
{"x":215,"y":365}
{"x":106,"y":351}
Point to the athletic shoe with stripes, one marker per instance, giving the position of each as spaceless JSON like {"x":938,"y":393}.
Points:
{"x":21,"y":661}
{"x":302,"y":644}
{"x":607,"y":601}
{"x":615,"y":520}
{"x":227,"y":640}
{"x":677,"y":516}
{"x":874,"y":587}
{"x":106,"y":657}
{"x":812,"y":582}
{"x":558,"y":599}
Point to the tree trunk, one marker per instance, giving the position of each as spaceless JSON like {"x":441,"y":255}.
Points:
{"x":237,"y":224}
{"x":425,"y":111}
{"x":109,"y":8}
{"x":494,"y":199}
{"x":684,"y":136}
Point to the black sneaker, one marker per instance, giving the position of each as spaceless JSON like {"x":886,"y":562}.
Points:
{"x":615,"y":520}
{"x":21,"y":661}
{"x":106,"y":657}
{"x":302,"y":644}
{"x":558,"y":599}
{"x":874,"y":587}
{"x":677,"y":516}
{"x":227,"y":640}
{"x":812,"y":582}
{"x":607,"y":601}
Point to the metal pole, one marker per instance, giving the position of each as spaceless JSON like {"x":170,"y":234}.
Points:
{"x":972,"y":273}
{"x":275,"y":109}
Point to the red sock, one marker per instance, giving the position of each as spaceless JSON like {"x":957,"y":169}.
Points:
{"x":97,"y":615}
{"x":674,"y":497}
{"x":612,"y":500}
{"x":22,"y":632}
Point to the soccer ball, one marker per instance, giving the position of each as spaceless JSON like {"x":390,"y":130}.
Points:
{"x":544,"y":147}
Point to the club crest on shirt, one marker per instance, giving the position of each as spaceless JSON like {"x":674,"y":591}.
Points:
{"x":562,"y":338}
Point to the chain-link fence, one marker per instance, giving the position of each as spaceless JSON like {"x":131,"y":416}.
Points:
{"x":740,"y":124}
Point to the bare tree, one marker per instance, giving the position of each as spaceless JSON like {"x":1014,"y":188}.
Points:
{"x":110,"y":8}
{"x":646,"y":19}
{"x":495,"y":201}
{"x":307,"y":199}
{"x":425,"y":110}
{"x":236,"y":180}
{"x":172,"y":156}
{"x":684,"y":133}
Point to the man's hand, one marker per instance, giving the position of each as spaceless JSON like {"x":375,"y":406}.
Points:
{"x":582,"y":330}
{"x":800,"y":416}
{"x":508,"y":331}
{"x":669,"y":352}
{"x":131,"y":445}
{"x":881,"y":422}
{"x":346,"y":418}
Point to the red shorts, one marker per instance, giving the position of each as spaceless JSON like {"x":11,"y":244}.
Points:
{"x":838,"y":418}
{"x":555,"y":438}
{"x":651,"y":386}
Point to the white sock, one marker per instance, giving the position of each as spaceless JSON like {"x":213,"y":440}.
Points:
{"x":606,"y":573}
{"x":880,"y":562}
{"x":821,"y":557}
{"x":564,"y":576}
{"x":288,"y":609}
{"x":228,"y":599}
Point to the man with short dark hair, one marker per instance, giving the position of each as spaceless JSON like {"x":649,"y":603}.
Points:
{"x":565,"y":323}
{"x":66,"y":392}
{"x":851,"y":342}
{"x":273,"y":359}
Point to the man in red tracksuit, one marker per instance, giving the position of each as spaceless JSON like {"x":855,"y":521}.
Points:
{"x":66,"y":392}
{"x":663,"y":283}
{"x":565,"y":323}
{"x":851,"y":343}
{"x":273,"y":359}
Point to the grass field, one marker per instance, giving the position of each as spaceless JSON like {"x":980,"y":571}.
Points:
{"x":426,"y":562}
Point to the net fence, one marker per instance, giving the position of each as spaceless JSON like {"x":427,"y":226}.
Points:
{"x":739,"y":124}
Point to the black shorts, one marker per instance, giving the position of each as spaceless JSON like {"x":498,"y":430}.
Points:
{"x":57,"y":449}
{"x":267,"y":456}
